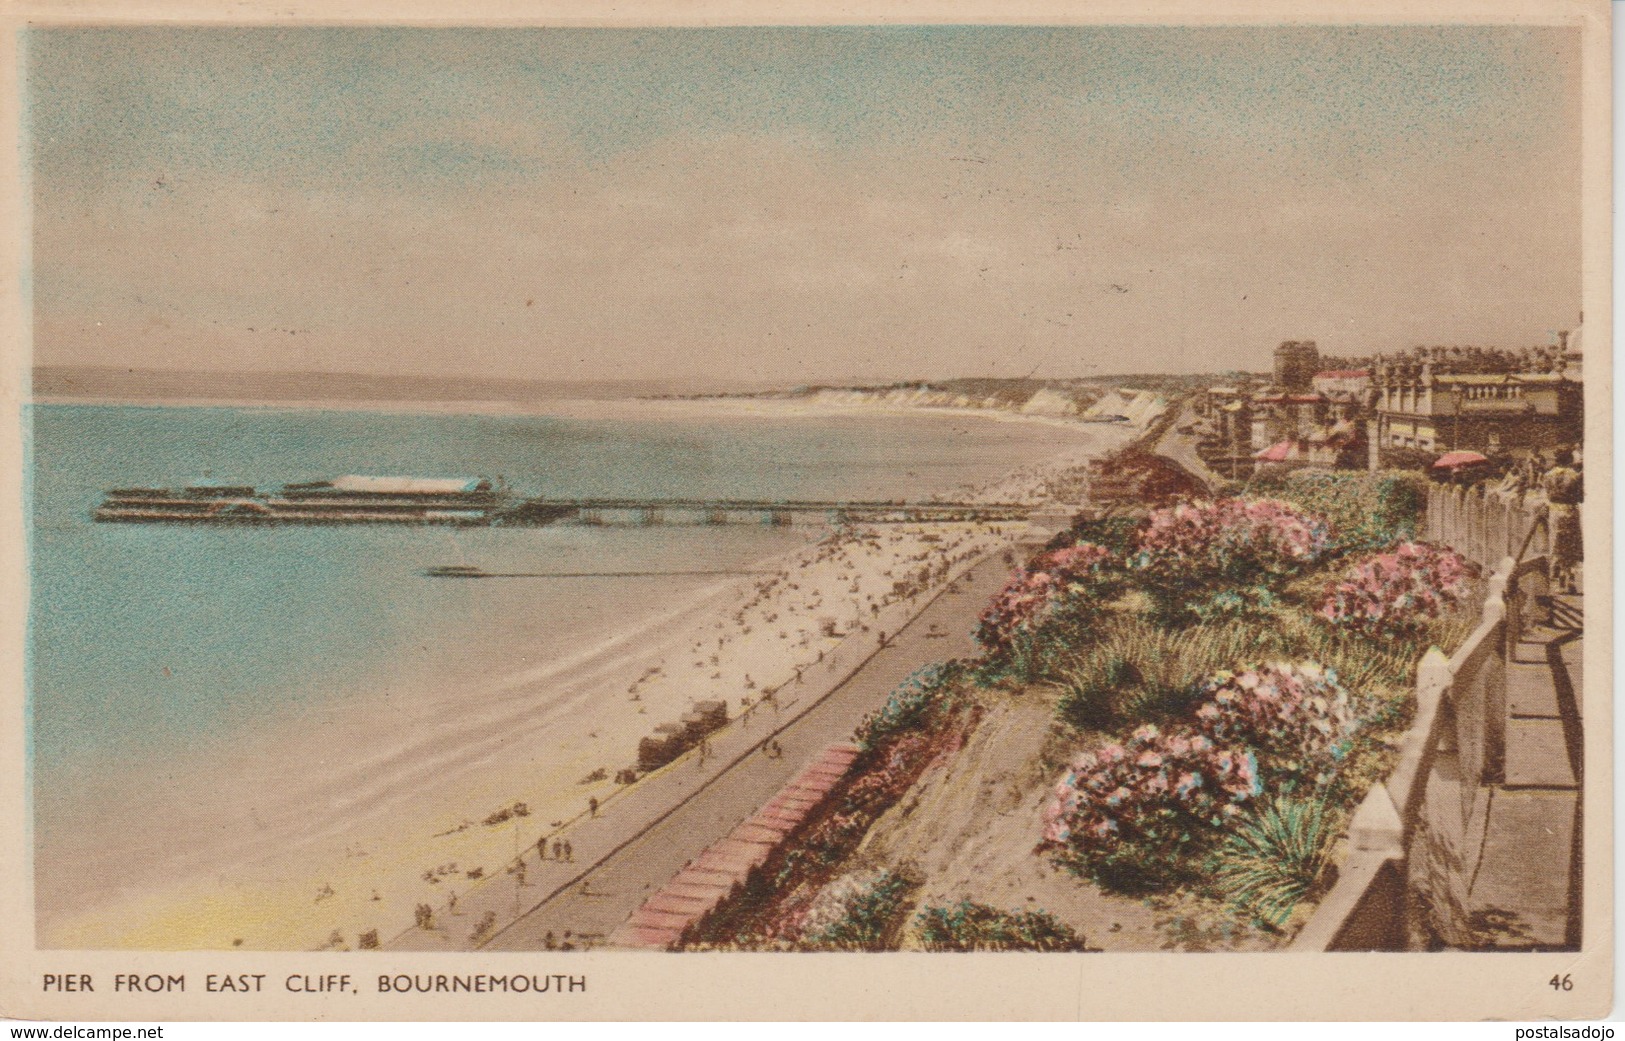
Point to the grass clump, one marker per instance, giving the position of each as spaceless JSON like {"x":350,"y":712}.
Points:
{"x":1138,"y":671}
{"x":1278,"y":857}
{"x":969,"y":926}
{"x":860,"y":915}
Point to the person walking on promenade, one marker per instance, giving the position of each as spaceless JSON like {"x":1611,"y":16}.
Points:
{"x":558,"y":849}
{"x":569,"y":853}
{"x":1565,"y":491}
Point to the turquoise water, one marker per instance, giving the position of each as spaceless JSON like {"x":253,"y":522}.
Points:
{"x":151,"y":640}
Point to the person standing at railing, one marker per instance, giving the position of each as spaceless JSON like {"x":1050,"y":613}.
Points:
{"x":1521,"y":479}
{"x":1565,"y":490}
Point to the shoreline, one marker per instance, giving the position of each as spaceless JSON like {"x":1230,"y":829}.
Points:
{"x":591,"y":408}
{"x":384,"y":824}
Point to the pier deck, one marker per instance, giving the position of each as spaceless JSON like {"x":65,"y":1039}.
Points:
{"x":246,"y":507}
{"x":608,"y":510}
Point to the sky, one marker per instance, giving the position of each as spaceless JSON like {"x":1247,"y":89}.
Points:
{"x":795,"y":205}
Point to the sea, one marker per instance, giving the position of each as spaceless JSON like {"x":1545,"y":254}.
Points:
{"x":151,"y":645}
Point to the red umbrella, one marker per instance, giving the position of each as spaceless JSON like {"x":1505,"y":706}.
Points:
{"x":1279,"y":452}
{"x":1456,"y":460}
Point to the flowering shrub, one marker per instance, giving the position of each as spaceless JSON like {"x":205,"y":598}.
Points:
{"x":1127,"y":814}
{"x":1230,"y":538}
{"x":1213,"y":561}
{"x":1052,"y":584}
{"x":914,"y":700}
{"x":1297,"y":718}
{"x":1397,"y":593}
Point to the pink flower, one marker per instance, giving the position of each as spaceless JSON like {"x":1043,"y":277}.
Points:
{"x":1394,"y":594}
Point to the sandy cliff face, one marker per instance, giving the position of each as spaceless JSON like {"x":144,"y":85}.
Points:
{"x":1046,"y":402}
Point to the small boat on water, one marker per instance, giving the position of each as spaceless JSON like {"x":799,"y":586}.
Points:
{"x":453,"y":571}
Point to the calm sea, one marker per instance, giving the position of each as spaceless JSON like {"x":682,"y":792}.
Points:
{"x":149,"y":640}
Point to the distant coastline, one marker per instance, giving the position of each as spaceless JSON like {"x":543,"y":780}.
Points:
{"x":113,"y":385}
{"x":108,"y":385}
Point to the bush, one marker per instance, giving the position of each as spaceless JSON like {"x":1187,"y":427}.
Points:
{"x":911,"y":706}
{"x":1222,"y":558}
{"x":968,"y":926}
{"x":1231,"y":538}
{"x":1059,"y":585}
{"x":1115,"y":534}
{"x":1366,"y":511}
{"x":1131,"y":815}
{"x":1398,"y":593}
{"x":1277,"y":858}
{"x":1297,"y":719}
{"x":856,"y":913}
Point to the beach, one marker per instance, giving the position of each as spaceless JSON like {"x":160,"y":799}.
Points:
{"x":344,"y":823}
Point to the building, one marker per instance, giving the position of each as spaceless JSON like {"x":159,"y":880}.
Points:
{"x":1347,"y":384}
{"x":1439,"y":400}
{"x":1480,"y":412}
{"x":1296,"y":362}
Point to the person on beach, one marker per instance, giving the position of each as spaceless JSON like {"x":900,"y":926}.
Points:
{"x":520,"y":872}
{"x":451,"y":905}
{"x":541,"y":848}
{"x":558,"y":849}
{"x":592,"y":806}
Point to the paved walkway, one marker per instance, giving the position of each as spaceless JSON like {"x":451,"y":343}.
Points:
{"x":1181,"y":449}
{"x":1527,"y":883}
{"x":645,"y":833}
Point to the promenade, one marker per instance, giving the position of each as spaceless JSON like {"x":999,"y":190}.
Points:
{"x":643,"y":835}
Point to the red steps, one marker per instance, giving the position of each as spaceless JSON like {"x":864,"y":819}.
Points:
{"x":712,"y":877}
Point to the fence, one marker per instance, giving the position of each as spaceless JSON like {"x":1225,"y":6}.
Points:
{"x":1485,"y":525}
{"x":1460,"y":713}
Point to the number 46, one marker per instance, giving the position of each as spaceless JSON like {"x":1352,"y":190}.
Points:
{"x":1561,"y":983}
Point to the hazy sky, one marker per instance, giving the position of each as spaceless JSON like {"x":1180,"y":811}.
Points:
{"x":795,"y":204}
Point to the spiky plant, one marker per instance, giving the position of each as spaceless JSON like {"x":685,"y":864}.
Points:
{"x":1278,"y":858}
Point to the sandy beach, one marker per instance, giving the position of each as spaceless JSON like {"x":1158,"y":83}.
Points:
{"x":317,"y":837}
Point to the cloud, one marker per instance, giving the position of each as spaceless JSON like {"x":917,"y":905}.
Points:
{"x":773,"y":219}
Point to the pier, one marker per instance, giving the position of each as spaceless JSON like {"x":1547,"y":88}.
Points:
{"x":483,"y":507}
{"x":638,"y":512}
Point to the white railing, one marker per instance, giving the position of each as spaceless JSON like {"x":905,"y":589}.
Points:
{"x":1486,"y":525}
{"x":1461,"y":710}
